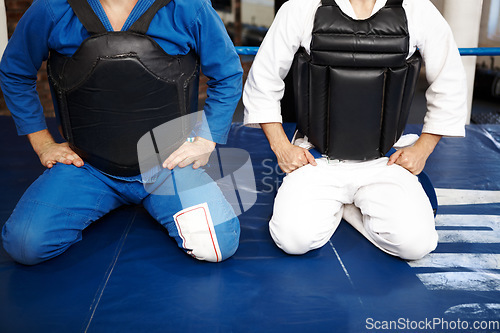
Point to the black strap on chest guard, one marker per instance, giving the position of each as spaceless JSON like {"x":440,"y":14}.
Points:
{"x":93,"y":24}
{"x":118,"y":86}
{"x":354,"y":90}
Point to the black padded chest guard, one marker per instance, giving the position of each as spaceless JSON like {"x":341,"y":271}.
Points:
{"x":117,"y":87}
{"x":354,"y":90}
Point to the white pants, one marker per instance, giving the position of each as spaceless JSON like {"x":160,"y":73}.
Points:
{"x":386,"y":204}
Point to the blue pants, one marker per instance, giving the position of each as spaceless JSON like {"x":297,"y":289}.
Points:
{"x":66,"y":199}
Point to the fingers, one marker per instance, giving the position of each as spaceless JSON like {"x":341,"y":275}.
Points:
{"x":310,"y":158}
{"x":394,"y":157}
{"x":293,"y":164}
{"x":407,"y":161}
{"x":399,"y":158}
{"x":197,"y":164}
{"x":67,"y":156}
{"x":71,"y":158}
{"x":175,"y":158}
{"x":287,"y":168}
{"x":184,"y":160}
{"x":60,"y":153}
{"x":75,"y":160}
{"x":189,"y":153}
{"x":297,"y":160}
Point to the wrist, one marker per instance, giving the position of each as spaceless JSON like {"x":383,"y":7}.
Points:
{"x":427,"y":142}
{"x":40,"y":140}
{"x":276,"y":136}
{"x":204,"y":141}
{"x":279,"y":145}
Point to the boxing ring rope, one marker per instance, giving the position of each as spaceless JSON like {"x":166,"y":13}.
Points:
{"x":474,"y":51}
{"x":480,"y":51}
{"x":247,"y":50}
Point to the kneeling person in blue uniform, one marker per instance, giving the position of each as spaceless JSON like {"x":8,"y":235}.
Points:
{"x":119,"y":70}
{"x":355,"y":65}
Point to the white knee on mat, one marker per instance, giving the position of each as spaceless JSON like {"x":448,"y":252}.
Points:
{"x":197,"y":231}
{"x":407,"y":245}
{"x":415,"y":249}
{"x":290,"y":241}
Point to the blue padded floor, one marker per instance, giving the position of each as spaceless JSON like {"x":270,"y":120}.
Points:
{"x":127,"y":275}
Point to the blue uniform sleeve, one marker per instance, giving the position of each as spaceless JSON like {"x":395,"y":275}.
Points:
{"x":25,"y":52}
{"x":221,"y":64}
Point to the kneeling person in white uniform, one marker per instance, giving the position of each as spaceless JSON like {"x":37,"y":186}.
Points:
{"x":354,"y":76}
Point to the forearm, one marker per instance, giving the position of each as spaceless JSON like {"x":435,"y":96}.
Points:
{"x":426,"y":143}
{"x":221,"y":64}
{"x":289,"y":157}
{"x":40,"y":140}
{"x":276,"y":136}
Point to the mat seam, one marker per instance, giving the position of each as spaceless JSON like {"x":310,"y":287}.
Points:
{"x":109,"y":271}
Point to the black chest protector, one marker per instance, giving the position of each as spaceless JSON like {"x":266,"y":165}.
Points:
{"x":117,"y":87}
{"x":353,"y":92}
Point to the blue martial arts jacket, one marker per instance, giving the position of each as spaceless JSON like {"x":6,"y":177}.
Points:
{"x":180,"y":26}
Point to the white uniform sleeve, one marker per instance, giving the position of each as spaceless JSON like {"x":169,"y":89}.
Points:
{"x":446,"y":96}
{"x":264,"y":87}
{"x":447,"y":93}
{"x":3,"y":28}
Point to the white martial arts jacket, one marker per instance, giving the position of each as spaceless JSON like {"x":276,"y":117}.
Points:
{"x":429,"y":32}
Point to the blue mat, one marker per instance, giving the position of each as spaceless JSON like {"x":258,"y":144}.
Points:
{"x":127,"y":275}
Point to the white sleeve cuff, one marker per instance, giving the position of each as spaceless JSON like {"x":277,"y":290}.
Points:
{"x":254,"y":120}
{"x":457,"y":131}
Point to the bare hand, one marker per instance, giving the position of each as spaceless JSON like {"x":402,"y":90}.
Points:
{"x":292,"y":157}
{"x":409,"y":159}
{"x":413,"y":158}
{"x":196,"y":152}
{"x":52,"y":153}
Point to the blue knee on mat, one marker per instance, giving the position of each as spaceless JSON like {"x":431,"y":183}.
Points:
{"x":202,"y":233}
{"x":24,"y":249}
{"x":27,"y":245}
{"x":27,"y":238}
{"x":229,"y":236}
{"x":204,"y":224}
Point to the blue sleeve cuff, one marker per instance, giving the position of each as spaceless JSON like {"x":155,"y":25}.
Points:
{"x":25,"y":129}
{"x":203,"y":130}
